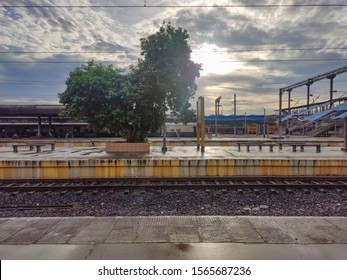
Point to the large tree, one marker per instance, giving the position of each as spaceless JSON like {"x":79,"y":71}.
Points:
{"x":133,"y":104}
{"x":111,"y":101}
{"x":169,"y":68}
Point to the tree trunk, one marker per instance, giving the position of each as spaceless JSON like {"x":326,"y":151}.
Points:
{"x":131,"y":134}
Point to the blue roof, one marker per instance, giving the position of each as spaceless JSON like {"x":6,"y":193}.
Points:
{"x":290,"y":116}
{"x":222,"y":118}
{"x":341,"y":116}
{"x":311,"y":108}
{"x":339,"y":108}
{"x":318,"y":115}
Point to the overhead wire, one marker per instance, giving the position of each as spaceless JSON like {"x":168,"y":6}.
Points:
{"x":113,"y":61}
{"x":146,"y":5}
{"x":193,"y":51}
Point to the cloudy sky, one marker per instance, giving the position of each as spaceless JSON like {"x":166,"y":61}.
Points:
{"x":251,"y":48}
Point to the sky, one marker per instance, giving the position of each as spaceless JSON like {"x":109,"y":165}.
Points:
{"x":248,"y":48}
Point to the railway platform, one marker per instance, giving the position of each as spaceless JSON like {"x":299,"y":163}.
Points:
{"x":222,"y":157}
{"x":174,"y":237}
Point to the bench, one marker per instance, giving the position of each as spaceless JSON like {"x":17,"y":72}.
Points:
{"x":288,"y":143}
{"x":302,"y":145}
{"x":259,"y":144}
{"x":31,"y":146}
{"x":42,"y":144}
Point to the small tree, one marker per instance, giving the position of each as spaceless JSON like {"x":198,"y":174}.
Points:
{"x":132,"y":105}
{"x":93,"y":92}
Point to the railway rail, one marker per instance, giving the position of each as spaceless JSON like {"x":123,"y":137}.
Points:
{"x":36,"y":207}
{"x":180,"y":182}
{"x":275,"y":196}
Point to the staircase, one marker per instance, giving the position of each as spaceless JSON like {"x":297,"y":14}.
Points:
{"x":320,"y":130}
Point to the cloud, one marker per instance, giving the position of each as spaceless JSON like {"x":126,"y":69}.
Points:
{"x":218,"y":36}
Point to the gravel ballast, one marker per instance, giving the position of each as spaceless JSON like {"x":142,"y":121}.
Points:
{"x":166,"y":202}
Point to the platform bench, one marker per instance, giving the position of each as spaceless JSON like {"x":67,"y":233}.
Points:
{"x":259,"y":144}
{"x":42,"y":144}
{"x":32,"y":145}
{"x":287,"y":143}
{"x":302,"y":145}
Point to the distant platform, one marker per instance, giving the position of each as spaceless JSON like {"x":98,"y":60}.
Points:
{"x":78,"y":158}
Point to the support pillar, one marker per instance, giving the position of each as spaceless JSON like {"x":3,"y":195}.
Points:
{"x":202,"y":126}
{"x":289,"y":99}
{"x":200,"y":105}
{"x":39,"y":126}
{"x":164,"y":148}
{"x":344,"y":135}
{"x":280,"y":114}
{"x":198,"y":136}
{"x":217,"y":105}
{"x":331,"y":78}
{"x":308,"y":84}
{"x":50,"y":127}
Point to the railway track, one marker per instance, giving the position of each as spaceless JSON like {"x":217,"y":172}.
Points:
{"x":303,"y":182}
{"x":293,"y":196}
{"x":36,"y":207}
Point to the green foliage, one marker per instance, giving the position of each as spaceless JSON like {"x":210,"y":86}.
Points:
{"x":168,"y":66}
{"x":93,"y":92}
{"x":131,"y":105}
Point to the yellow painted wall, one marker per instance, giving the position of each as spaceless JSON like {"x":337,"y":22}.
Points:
{"x":168,"y":168}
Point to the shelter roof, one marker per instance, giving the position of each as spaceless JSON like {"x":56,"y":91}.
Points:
{"x":237,"y":118}
{"x":30,"y":110}
{"x":341,"y":116}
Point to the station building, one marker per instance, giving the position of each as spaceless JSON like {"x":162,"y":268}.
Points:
{"x":24,"y":121}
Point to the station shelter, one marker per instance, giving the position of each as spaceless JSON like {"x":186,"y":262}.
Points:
{"x":24,"y":121}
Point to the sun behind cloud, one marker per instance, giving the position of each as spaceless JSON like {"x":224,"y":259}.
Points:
{"x":214,"y":60}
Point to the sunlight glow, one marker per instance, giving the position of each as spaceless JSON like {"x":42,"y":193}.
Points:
{"x":213,"y":60}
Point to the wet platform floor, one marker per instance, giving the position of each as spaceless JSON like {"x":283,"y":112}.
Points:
{"x":174,"y":237}
{"x":173,"y":153}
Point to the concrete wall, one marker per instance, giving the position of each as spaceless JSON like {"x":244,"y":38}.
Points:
{"x":168,"y":168}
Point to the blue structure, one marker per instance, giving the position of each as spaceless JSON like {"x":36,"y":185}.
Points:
{"x":230,"y":118}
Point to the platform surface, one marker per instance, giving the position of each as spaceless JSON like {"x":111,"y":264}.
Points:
{"x":174,"y":237}
{"x":184,"y":148}
{"x":87,"y":158}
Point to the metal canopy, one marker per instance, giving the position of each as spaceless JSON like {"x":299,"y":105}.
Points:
{"x":326,"y":75}
{"x":30,"y":110}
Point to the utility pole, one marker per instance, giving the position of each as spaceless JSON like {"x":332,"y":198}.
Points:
{"x":235,"y":114}
{"x":217,"y":105}
{"x":264,"y":129}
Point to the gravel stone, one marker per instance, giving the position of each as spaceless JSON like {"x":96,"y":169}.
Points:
{"x":166,"y":202}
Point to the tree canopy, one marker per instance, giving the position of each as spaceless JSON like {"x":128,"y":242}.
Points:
{"x":133,"y":104}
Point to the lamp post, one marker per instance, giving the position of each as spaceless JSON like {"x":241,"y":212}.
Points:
{"x":234,"y":102}
{"x":217,"y":105}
